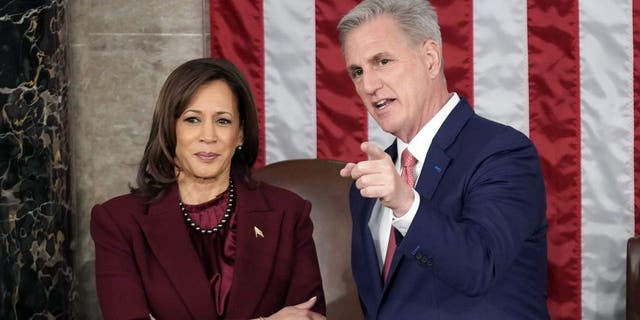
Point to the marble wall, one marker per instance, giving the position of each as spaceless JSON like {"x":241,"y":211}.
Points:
{"x":36,"y":278}
{"x":120,"y":53}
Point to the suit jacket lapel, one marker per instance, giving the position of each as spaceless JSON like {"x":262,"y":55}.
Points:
{"x":373,"y":276}
{"x":169,"y":240}
{"x":433,"y":169}
{"x":255,"y":253}
{"x":438,"y":157}
{"x":364,"y":255}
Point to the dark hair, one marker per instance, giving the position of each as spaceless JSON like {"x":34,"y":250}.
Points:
{"x":157,"y":167}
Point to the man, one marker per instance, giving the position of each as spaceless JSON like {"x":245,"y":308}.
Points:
{"x":460,"y":231}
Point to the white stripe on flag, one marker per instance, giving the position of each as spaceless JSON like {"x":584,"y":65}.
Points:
{"x":290,"y":85}
{"x":500,"y":62}
{"x":606,"y":94}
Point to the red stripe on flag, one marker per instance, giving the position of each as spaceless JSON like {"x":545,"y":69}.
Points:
{"x":341,"y":116}
{"x":456,"y":25}
{"x":237,"y":34}
{"x":554,"y":100}
{"x":636,"y":109}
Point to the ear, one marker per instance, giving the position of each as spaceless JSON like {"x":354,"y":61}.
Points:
{"x":241,"y":135}
{"x":432,"y":55}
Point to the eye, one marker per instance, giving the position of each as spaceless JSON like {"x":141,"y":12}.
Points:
{"x":192,"y":119}
{"x":223,"y":121}
{"x":356,"y":73}
{"x":384,"y":61}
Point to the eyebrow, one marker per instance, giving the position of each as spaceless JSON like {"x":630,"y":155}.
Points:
{"x":352,"y":68}
{"x":377,"y":56}
{"x":200,"y":112}
{"x":373,"y":59}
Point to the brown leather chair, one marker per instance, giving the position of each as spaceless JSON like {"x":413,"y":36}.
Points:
{"x":319,"y":182}
{"x":633,"y":279}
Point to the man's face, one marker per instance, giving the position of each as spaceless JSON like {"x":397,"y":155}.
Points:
{"x":392,"y":77}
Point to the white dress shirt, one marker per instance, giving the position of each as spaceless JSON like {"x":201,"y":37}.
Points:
{"x":382,"y":217}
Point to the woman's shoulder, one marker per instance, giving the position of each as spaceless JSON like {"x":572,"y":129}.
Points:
{"x":122,"y":208}
{"x":275,"y":196}
{"x":123,"y":201}
{"x":276,"y":191}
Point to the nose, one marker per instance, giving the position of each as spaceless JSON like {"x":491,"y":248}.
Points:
{"x":208,"y":132}
{"x":371,"y":82}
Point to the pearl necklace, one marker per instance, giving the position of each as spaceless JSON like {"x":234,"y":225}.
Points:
{"x":223,"y":221}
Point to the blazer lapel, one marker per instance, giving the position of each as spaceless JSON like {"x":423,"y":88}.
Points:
{"x":438,"y":159}
{"x":364,"y":260}
{"x":169,"y":240}
{"x":258,"y":234}
{"x":374,"y":278}
{"x":433,"y":169}
{"x":374,"y":275}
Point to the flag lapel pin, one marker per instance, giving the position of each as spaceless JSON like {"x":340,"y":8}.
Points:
{"x":258,"y":232}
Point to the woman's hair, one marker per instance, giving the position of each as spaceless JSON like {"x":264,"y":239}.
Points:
{"x":416,"y":18}
{"x":157,"y":167}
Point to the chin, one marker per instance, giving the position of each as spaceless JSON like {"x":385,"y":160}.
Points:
{"x":389,"y":128}
{"x":207,"y":174}
{"x":388,"y":125}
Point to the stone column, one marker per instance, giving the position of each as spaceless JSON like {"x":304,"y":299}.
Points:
{"x":120,"y":53}
{"x":36,"y":278}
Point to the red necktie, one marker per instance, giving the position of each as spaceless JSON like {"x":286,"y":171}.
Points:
{"x":407,"y":161}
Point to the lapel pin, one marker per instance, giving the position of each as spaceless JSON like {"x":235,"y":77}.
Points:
{"x":258,"y":232}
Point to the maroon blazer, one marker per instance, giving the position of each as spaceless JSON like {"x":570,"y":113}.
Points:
{"x":146,"y":263}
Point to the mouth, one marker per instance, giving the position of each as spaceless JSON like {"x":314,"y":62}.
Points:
{"x":206,"y":156}
{"x":381,"y":104}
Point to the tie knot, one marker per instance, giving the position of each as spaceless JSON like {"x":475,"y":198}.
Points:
{"x":407,"y":159}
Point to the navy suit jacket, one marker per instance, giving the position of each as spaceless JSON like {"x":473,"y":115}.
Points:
{"x":146,"y":263}
{"x":476,"y":248}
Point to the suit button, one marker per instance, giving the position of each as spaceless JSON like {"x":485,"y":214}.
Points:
{"x":427,"y":261}
{"x":424,"y":259}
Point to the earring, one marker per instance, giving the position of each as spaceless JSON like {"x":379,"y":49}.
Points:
{"x":240,"y":148}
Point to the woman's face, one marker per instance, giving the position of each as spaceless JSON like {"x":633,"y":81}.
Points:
{"x":208,"y":132}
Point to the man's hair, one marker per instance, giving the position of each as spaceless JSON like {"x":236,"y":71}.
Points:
{"x":157,"y":167}
{"x":416,"y":18}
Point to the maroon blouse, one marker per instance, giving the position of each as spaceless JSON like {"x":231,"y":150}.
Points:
{"x":216,"y":251}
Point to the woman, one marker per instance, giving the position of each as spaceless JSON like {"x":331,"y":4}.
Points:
{"x":197,"y":238}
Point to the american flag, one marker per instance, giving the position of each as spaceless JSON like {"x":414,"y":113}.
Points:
{"x":564,"y":72}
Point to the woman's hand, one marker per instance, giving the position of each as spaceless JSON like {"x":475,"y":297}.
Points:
{"x":299,"y":311}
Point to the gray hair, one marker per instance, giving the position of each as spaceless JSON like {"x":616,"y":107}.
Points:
{"x":416,"y":18}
